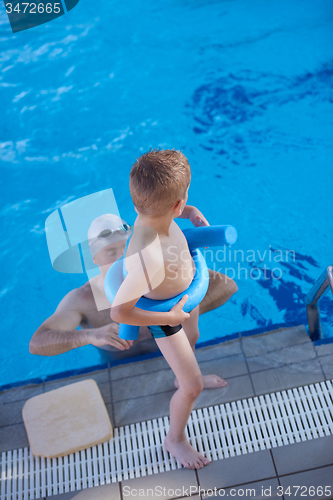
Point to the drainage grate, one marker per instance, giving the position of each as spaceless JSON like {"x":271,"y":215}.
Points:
{"x":219,"y":431}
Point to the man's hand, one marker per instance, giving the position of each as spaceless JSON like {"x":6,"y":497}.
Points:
{"x":176,"y":315}
{"x":108,"y":335}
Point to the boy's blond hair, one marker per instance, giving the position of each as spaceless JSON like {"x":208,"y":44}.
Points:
{"x":158,"y":180}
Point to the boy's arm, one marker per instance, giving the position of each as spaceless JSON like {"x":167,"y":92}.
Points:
{"x":140,"y":281}
{"x":131,"y":315}
{"x":194,"y":215}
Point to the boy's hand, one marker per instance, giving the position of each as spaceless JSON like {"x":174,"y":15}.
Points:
{"x":177,"y":315}
{"x":197,"y":218}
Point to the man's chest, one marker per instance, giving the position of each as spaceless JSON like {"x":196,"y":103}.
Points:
{"x":95,"y":319}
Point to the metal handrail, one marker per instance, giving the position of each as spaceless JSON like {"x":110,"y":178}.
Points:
{"x":311,"y":301}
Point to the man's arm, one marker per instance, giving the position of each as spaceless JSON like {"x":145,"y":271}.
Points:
{"x":59,"y":334}
{"x":220,"y":289}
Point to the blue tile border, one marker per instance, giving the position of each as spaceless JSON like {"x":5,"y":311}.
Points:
{"x":56,"y":376}
{"x":34,"y":381}
{"x":269,"y":328}
{"x":217,"y":340}
{"x":329,"y":340}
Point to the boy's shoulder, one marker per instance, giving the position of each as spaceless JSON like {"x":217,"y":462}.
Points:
{"x":141,"y":238}
{"x":146,"y":243}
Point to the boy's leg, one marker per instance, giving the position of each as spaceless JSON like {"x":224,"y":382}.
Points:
{"x":177,"y":351}
{"x":190,"y":327}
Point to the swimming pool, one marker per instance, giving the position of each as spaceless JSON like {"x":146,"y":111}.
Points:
{"x":245,"y":90}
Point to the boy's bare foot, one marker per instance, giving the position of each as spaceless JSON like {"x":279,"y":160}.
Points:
{"x":185,"y":453}
{"x":210,"y":382}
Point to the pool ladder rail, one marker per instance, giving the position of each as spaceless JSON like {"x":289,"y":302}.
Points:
{"x":317,"y":291}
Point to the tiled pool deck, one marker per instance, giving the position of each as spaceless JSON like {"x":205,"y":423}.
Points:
{"x":252,"y":365}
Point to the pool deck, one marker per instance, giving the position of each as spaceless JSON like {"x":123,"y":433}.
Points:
{"x":253,"y":365}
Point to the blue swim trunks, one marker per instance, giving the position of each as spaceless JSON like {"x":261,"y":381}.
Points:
{"x":160,"y":331}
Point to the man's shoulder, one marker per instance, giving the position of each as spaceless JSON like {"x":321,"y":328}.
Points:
{"x":84,"y":293}
{"x":78,"y":298}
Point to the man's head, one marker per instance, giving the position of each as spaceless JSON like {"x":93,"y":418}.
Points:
{"x":107,"y":237}
{"x":159,"y":179}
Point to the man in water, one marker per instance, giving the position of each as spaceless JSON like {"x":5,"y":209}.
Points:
{"x":88,"y":308}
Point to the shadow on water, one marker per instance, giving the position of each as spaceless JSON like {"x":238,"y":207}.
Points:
{"x":220,"y":107}
{"x":289,"y":292}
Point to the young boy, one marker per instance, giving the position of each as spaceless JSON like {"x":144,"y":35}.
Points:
{"x":159,"y":182}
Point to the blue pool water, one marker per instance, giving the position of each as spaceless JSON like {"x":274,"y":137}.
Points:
{"x":244,"y":89}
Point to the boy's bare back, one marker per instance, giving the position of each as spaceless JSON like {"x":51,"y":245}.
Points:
{"x":175,"y":265}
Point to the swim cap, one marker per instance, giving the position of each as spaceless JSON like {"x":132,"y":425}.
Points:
{"x":106,"y":229}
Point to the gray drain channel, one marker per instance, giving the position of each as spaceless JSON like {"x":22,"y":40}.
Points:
{"x":136,"y":450}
